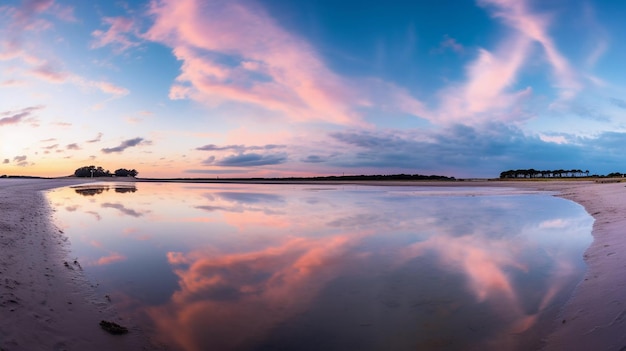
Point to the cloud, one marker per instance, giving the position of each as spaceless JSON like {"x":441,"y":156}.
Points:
{"x":117,"y":35}
{"x":618,"y":102}
{"x":72,"y":146}
{"x":209,"y":160}
{"x":11,"y":83}
{"x":49,"y":73}
{"x":491,"y":90}
{"x":252,"y":159}
{"x":239,"y":148}
{"x":25,"y":18}
{"x":51,"y":147}
{"x":21,"y":160}
{"x":313,"y":159}
{"x":124,"y":145}
{"x":217,"y":171}
{"x":449,"y":43}
{"x":96,"y":139}
{"x":486,"y":151}
{"x":534,"y":27}
{"x":6,"y":160}
{"x":122,"y":209}
{"x":257,"y":64}
{"x":15,"y":117}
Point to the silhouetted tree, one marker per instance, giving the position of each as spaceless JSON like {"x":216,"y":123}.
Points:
{"x":89,"y":171}
{"x":123,"y":172}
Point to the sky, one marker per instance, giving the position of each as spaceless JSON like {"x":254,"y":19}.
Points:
{"x":277,"y":88}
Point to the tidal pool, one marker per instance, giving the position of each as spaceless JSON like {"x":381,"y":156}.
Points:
{"x":318,"y":267}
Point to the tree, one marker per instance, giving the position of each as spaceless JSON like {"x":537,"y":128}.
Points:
{"x":91,"y":171}
{"x":123,"y":172}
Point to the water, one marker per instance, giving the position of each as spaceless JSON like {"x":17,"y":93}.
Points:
{"x":308,"y":267}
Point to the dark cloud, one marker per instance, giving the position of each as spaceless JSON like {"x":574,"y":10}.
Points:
{"x":6,"y":160}
{"x":209,"y":160}
{"x":15,"y":117}
{"x":20,"y":160}
{"x":463,"y":151}
{"x":72,"y":146}
{"x":97,"y":139}
{"x":618,"y":102}
{"x":239,"y":148}
{"x":313,"y":159}
{"x":124,"y":145}
{"x":588,"y":112}
{"x":217,"y":171}
{"x":51,"y":147}
{"x":252,"y":159}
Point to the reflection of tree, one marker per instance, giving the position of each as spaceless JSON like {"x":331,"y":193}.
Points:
{"x":91,"y":191}
{"x":126,"y":189}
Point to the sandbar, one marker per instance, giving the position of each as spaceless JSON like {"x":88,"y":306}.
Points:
{"x":47,"y":304}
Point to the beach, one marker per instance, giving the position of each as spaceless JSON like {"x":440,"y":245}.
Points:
{"x":47,"y":304}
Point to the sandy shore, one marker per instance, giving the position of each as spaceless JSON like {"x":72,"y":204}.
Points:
{"x":46,"y":305}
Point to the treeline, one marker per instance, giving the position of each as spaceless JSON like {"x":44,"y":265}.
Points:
{"x":93,"y":171}
{"x":378,"y":177}
{"x":533,"y":173}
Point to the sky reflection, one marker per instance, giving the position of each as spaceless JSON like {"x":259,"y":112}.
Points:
{"x":255,"y":267}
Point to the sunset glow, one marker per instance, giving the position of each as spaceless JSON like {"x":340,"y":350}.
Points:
{"x":208,"y":88}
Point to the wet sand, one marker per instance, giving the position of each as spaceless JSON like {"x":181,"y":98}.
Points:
{"x":48,"y":305}
{"x":45,"y":304}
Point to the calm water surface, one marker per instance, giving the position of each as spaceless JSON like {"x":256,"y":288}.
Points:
{"x":305,"y":267}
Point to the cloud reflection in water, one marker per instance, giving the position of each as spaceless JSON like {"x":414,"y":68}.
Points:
{"x":351,"y":268}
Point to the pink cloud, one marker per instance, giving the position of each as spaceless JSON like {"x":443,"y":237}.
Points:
{"x":19,"y":116}
{"x":272,"y":68}
{"x":49,"y":73}
{"x":116,"y":35}
{"x":26,"y":18}
{"x":489,"y":91}
{"x":108,"y":88}
{"x":112,"y":258}
{"x":535,"y":27}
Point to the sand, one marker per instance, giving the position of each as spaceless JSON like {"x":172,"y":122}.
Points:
{"x":46,"y":305}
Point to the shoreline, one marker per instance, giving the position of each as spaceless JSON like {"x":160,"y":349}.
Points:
{"x":45,"y":304}
{"x":53,"y":307}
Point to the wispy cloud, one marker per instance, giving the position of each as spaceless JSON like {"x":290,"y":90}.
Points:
{"x":96,"y":139}
{"x":249,"y":160}
{"x":449,"y":43}
{"x":15,"y":117}
{"x":72,"y":146}
{"x":11,"y":83}
{"x":258,"y":63}
{"x":21,"y":160}
{"x":239,"y":148}
{"x":117,"y":35}
{"x":25,"y":18}
{"x":491,"y":91}
{"x":534,"y":27}
{"x":123,"y":209}
{"x":124,"y":145}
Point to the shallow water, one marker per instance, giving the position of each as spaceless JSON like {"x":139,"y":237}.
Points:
{"x":306,"y":267}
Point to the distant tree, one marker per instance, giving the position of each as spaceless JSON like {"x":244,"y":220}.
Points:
{"x":123,"y":172}
{"x":91,"y":171}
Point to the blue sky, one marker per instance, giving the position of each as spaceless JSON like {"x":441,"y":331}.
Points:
{"x":205,"y":88}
